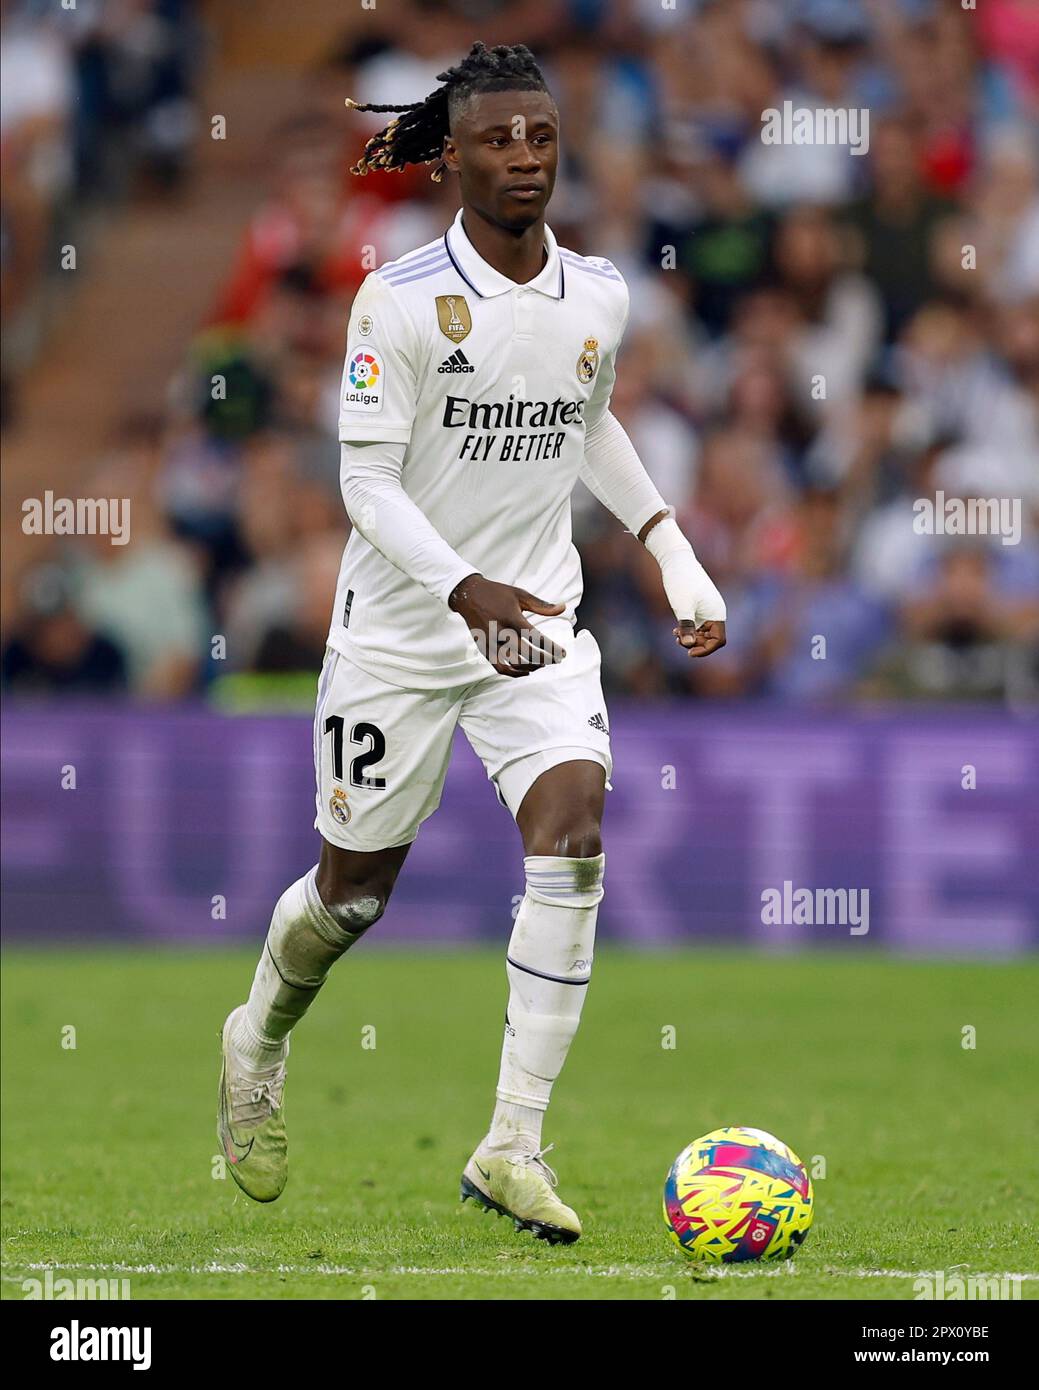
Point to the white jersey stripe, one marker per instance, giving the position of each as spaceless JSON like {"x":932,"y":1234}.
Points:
{"x":413,"y":257}
{"x":579,"y":264}
{"x":393,"y":270}
{"x":418,"y":274}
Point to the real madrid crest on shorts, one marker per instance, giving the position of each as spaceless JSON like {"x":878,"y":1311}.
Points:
{"x":588,"y":362}
{"x":339,"y":806}
{"x":453,"y":316}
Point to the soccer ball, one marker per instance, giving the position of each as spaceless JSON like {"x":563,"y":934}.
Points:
{"x":738,"y":1194}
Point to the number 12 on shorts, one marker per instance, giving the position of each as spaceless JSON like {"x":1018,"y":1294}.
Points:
{"x":373,"y":742}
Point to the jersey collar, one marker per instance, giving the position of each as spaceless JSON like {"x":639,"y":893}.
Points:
{"x":485,"y":281}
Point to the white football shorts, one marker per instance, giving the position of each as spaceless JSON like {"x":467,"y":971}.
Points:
{"x":381,"y":751}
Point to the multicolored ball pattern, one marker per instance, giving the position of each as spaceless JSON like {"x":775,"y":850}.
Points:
{"x":738,"y":1194}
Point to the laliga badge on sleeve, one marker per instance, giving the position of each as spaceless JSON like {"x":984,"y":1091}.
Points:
{"x":364,"y":380}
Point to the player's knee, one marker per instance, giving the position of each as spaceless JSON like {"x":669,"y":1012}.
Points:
{"x":357,"y":907}
{"x":585,"y":843}
{"x":566,"y":880}
{"x":578,"y":840}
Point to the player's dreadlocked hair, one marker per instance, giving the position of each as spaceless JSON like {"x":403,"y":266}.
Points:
{"x":417,"y":135}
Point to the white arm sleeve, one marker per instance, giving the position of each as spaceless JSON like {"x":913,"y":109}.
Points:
{"x":378,"y":507}
{"x":613,"y":472}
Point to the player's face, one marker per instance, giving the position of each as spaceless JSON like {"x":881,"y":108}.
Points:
{"x":504,"y":148}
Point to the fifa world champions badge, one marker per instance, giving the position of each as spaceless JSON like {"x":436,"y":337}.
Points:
{"x":453,"y":316}
{"x":588,"y":362}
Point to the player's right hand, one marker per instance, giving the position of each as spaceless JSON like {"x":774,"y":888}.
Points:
{"x":494,"y":612}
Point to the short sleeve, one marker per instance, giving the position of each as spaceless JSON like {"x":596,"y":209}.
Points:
{"x":379,"y":390}
{"x":599,"y":401}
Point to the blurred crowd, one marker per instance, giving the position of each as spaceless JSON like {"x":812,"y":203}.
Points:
{"x":817,"y":340}
{"x":96,"y":100}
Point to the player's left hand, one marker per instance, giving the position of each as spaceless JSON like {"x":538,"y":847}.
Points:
{"x":700,"y":641}
{"x":698,"y":607}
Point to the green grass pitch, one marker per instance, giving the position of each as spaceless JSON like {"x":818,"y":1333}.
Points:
{"x":109,"y":1148}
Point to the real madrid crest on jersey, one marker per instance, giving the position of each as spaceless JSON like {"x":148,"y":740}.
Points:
{"x":588,"y":362}
{"x":339,"y":806}
{"x":453,"y":316}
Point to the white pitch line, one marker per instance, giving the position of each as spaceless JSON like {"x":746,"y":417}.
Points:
{"x":706,"y":1272}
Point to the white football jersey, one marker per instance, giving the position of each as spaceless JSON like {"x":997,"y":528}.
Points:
{"x":491,"y":385}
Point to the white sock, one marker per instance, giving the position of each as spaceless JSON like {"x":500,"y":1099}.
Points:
{"x":303,"y":943}
{"x":549,"y":965}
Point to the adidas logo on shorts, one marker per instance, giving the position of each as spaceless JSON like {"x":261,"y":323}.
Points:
{"x":457,"y":362}
{"x":598,"y":722}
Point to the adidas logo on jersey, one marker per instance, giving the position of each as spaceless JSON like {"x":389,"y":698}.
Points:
{"x":457,"y":362}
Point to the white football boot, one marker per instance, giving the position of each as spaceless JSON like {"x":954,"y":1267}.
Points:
{"x":520,"y":1185}
{"x":250,"y":1122}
